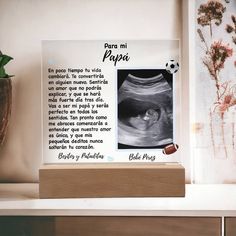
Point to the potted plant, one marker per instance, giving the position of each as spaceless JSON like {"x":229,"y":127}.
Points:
{"x":5,"y":96}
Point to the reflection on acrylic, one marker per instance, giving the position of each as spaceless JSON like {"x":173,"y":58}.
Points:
{"x":145,"y":112}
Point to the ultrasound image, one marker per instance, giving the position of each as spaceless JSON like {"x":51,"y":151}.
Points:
{"x":145,"y":111}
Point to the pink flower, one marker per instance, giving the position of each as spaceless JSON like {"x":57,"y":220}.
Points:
{"x":219,"y":53}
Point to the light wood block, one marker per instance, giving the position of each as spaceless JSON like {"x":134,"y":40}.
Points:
{"x":112,"y":180}
{"x":137,"y":226}
{"x":230,"y":226}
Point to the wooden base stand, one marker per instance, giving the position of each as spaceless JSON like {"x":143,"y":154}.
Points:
{"x":112,"y":180}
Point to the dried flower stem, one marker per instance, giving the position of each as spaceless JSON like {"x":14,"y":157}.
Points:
{"x":233,"y":130}
{"x":212,"y":133}
{"x":217,"y":84}
{"x":223,"y":134}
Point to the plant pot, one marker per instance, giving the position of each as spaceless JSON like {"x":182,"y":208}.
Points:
{"x":5,"y":106}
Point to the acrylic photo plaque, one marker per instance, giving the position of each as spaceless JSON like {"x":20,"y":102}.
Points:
{"x":110,"y":101}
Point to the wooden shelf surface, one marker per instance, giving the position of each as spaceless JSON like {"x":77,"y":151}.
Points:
{"x":200,"y":200}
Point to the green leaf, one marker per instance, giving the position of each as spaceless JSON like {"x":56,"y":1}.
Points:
{"x":4,"y":59}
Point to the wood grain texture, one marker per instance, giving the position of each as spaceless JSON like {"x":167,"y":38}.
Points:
{"x":230,"y":226}
{"x":137,"y":226}
{"x":111,"y":180}
{"x":5,"y":106}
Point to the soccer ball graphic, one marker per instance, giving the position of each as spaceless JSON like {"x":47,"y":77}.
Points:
{"x":172,"y":66}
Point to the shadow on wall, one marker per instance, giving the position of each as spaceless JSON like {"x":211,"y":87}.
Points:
{"x":20,"y":154}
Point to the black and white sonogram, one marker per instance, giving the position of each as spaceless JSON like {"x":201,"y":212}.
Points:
{"x":145,"y":109}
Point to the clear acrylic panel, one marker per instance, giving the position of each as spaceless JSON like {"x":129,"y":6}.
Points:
{"x":110,"y":101}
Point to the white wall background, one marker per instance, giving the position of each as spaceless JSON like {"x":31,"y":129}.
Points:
{"x":24,"y":23}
